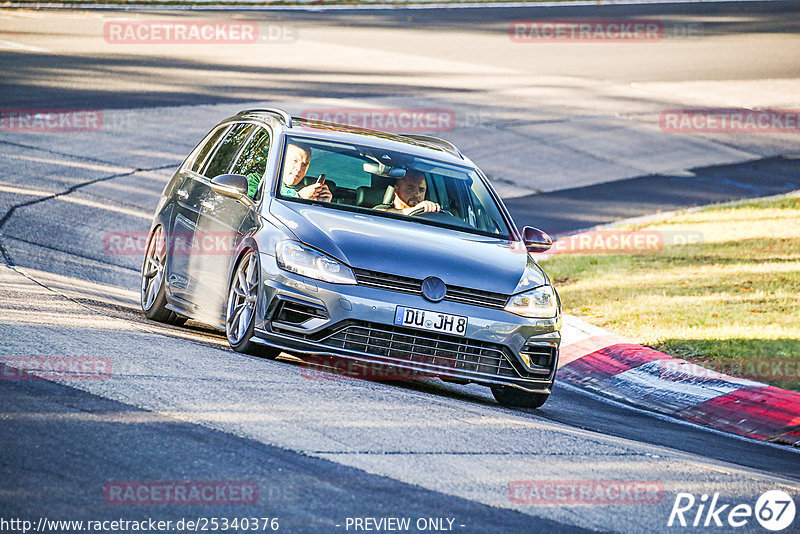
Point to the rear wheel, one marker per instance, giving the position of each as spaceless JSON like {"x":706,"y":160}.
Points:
{"x":516,"y":398}
{"x":240,"y":312}
{"x":153,"y":294}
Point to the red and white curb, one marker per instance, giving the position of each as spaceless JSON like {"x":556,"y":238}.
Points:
{"x":594,"y":359}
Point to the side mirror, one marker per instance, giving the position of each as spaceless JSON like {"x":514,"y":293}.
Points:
{"x":536,"y":240}
{"x":230,"y":185}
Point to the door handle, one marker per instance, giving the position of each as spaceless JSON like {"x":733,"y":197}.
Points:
{"x":207,"y":205}
{"x":182,"y":193}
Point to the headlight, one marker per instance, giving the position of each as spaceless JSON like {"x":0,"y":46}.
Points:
{"x":297,"y":258}
{"x":540,"y":303}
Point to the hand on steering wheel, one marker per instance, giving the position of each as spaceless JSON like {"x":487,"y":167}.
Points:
{"x":419,"y":210}
{"x":426,"y":206}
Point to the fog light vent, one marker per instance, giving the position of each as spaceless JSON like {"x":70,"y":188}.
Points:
{"x":295,"y":313}
{"x":538,"y":357}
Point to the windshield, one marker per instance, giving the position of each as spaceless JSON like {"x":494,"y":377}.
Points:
{"x":391,"y":184}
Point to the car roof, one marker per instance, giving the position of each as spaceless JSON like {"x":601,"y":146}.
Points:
{"x":414,"y":144}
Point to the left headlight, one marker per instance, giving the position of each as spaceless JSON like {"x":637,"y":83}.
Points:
{"x":539,"y":303}
{"x":298,"y":258}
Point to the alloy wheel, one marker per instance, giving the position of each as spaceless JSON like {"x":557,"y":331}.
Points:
{"x":153,"y":268}
{"x":242,"y":299}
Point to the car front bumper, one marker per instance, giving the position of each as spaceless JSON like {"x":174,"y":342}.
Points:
{"x":311,"y":317}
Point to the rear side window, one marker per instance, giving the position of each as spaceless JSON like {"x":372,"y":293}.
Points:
{"x":207,"y":147}
{"x":252,"y":161}
{"x":253,"y":158}
{"x":228,"y":148}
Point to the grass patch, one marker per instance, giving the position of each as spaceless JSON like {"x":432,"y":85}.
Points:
{"x":730,"y":302}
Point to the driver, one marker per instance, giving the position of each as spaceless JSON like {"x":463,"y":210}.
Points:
{"x":409,"y":194}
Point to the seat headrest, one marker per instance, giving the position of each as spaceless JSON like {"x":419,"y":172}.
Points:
{"x":369,"y":197}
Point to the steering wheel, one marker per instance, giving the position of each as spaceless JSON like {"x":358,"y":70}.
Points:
{"x":417,"y":211}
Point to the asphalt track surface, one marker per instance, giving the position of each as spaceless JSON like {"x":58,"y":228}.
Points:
{"x":181,"y":406}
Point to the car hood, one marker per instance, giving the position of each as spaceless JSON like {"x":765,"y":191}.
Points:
{"x":412,"y":249}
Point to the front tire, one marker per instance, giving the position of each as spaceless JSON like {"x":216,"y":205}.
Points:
{"x":516,"y":398}
{"x":240,"y":313}
{"x":153,"y":293}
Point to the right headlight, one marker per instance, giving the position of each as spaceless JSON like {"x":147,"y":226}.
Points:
{"x":539,"y":303}
{"x":298,"y":258}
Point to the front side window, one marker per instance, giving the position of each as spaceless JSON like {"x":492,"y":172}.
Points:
{"x":228,"y":148}
{"x":387,"y":183}
{"x":252,"y":161}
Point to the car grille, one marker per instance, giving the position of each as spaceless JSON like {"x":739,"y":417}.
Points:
{"x":404,"y":284}
{"x":426,"y":348}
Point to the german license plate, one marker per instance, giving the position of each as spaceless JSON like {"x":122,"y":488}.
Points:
{"x":430,"y":320}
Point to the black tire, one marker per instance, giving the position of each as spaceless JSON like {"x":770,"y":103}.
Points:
{"x":516,"y":398}
{"x":249,"y":267}
{"x":153,"y":297}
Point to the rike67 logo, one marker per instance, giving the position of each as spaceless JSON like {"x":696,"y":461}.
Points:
{"x":774,"y":510}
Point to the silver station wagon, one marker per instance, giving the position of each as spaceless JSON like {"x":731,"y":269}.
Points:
{"x":329,"y":241}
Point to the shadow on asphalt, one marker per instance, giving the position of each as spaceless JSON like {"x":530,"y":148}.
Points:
{"x":62,"y":446}
{"x":569,"y":210}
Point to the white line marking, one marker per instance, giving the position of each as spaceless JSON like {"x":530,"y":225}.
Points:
{"x":77,"y":200}
{"x":22,"y":14}
{"x":25,"y":191}
{"x":106,"y":206}
{"x":77,"y":164}
{"x":11,"y":45}
{"x":648,"y":382}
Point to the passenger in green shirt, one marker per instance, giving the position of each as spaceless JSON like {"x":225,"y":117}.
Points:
{"x":253,"y":179}
{"x":294,"y":170}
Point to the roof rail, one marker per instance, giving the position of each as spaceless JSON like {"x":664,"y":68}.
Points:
{"x":447,"y":145}
{"x":285,"y":117}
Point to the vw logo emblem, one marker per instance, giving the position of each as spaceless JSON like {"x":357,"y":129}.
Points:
{"x":433,"y":289}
